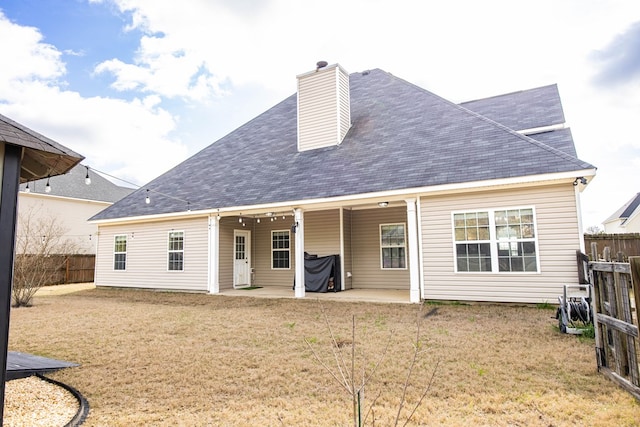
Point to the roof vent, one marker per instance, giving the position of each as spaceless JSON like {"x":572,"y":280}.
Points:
{"x":321,"y":64}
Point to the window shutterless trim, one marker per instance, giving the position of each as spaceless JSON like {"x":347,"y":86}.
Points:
{"x":403,"y":246}
{"x":493,"y":240}
{"x":116,"y":253}
{"x":287,"y":249}
{"x":175,"y":251}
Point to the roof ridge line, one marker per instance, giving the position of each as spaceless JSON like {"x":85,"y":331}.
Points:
{"x":525,"y":138}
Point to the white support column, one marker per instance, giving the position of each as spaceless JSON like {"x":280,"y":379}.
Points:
{"x":299,"y":254}
{"x":342,"y":276}
{"x":412,"y":249}
{"x":214,"y":255}
{"x":420,"y":248}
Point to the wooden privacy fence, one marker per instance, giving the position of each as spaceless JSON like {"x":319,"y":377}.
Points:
{"x":621,"y":245}
{"x":72,"y":269}
{"x":616,"y":301}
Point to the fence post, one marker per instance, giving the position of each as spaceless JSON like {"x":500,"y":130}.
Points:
{"x":594,"y":251}
{"x":634,"y":263}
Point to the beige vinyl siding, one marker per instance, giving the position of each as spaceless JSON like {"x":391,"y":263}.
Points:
{"x":322,"y":232}
{"x":344,"y":104}
{"x":323,"y":108}
{"x":146,"y":264}
{"x":70,"y":214}
{"x":365,"y":232}
{"x":226,"y":248}
{"x":556,"y":230}
{"x":264,"y":275}
{"x":348,"y":258}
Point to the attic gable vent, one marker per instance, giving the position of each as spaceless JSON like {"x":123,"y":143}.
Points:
{"x":324,"y":115}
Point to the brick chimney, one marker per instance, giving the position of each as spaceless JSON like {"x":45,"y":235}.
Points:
{"x":324,"y":115}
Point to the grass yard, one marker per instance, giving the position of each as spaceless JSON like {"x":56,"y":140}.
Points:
{"x":170,"y":359}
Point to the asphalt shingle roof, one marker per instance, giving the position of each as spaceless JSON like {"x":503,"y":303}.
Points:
{"x":526,"y":109}
{"x":626,"y":210}
{"x":402,"y":136}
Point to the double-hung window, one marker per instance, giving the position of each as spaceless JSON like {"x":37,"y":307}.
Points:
{"x":120,"y":252}
{"x":500,"y":240}
{"x":393,"y":246}
{"x":176,"y":251}
{"x":280,"y":249}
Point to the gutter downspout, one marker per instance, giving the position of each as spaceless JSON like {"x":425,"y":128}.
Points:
{"x":576,"y":191}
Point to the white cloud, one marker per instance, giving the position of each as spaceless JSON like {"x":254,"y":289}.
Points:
{"x":129,"y":139}
{"x":26,"y":57}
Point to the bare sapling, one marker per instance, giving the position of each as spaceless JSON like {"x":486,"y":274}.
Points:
{"x":41,"y":249}
{"x":354,"y":380}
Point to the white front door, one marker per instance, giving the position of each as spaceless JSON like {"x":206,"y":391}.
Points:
{"x":242,"y":259}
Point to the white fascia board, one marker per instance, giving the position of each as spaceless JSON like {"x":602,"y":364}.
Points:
{"x":363,"y":198}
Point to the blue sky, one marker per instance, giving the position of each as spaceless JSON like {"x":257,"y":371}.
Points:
{"x":137,"y":86}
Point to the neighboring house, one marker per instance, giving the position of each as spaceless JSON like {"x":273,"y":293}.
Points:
{"x":626,"y":219}
{"x":69,"y":202}
{"x":478,"y":201}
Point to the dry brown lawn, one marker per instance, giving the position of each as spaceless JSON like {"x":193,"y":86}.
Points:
{"x":171,"y":359}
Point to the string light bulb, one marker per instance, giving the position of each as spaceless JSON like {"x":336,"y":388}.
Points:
{"x":87,"y":179}
{"x":47,"y":188}
{"x":147,"y":199}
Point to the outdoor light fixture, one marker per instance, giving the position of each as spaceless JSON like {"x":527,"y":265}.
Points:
{"x":383,"y":204}
{"x":147,"y":199}
{"x":27,"y":189}
{"x":580,"y":180}
{"x":258,"y":220}
{"x":47,"y":188}
{"x":87,"y":180}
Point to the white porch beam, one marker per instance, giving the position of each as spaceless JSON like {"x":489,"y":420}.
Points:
{"x":214,"y":255}
{"x":299,"y":252}
{"x":412,"y":246}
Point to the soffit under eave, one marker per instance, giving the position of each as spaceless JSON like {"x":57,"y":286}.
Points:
{"x":38,"y":164}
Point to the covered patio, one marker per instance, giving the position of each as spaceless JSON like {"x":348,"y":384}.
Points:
{"x":364,"y":295}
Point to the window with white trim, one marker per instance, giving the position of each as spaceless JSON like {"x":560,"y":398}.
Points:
{"x":176,"y":251}
{"x":120,"y":252}
{"x":501,"y":240}
{"x":280,"y":249}
{"x":393,"y":246}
